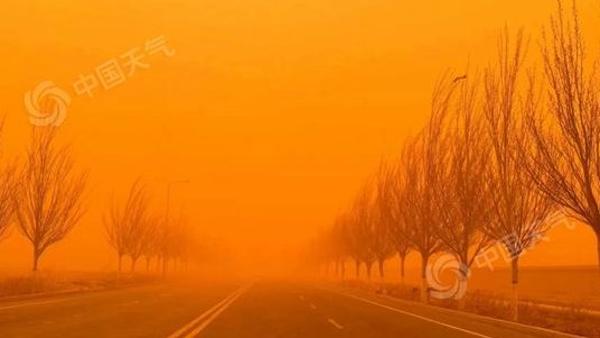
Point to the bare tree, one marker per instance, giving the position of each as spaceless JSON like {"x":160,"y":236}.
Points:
{"x":391,"y":202}
{"x":384,"y":215}
{"x":48,"y":196}
{"x":115,"y":225}
{"x":338,"y":242}
{"x":171,"y":237}
{"x":322,"y":254}
{"x":518,"y":210}
{"x":351,"y":239}
{"x":138,"y":222}
{"x":465,"y":198}
{"x":129,"y":226}
{"x":423,"y":162}
{"x":364,"y":232}
{"x":565,"y":161}
{"x":7,"y":186}
{"x":182,"y":239}
{"x":151,"y":246}
{"x":398,"y":231}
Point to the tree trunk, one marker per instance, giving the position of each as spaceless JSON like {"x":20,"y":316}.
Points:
{"x":461,"y":297}
{"x":424,"y":284}
{"x":381,"y":261}
{"x":357,"y":264}
{"x":369,"y":265}
{"x":343,"y":269}
{"x":36,"y":259}
{"x":402,"y":259}
{"x":515,"y":290}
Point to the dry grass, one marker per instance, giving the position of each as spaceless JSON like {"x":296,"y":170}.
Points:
{"x":50,"y":283}
{"x":571,"y":318}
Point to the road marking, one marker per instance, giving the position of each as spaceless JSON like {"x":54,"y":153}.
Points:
{"x":191,"y":324}
{"x":13,"y":306}
{"x":486,"y":318}
{"x":215,"y":315}
{"x":313,"y":306}
{"x":216,"y":309}
{"x":335,"y":324}
{"x":473,"y":333}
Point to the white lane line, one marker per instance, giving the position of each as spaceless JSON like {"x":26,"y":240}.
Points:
{"x":209,"y":320}
{"x":489,"y":319}
{"x":335,"y":324}
{"x":473,"y":333}
{"x":313,"y":306}
{"x":205,"y":314}
{"x":13,"y":306}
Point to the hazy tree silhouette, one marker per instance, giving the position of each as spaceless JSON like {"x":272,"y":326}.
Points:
{"x":565,"y":161}
{"x":393,"y":180}
{"x":363,"y":222}
{"x":386,"y":217}
{"x":7,"y":184}
{"x":173,"y":240}
{"x":339,"y":246}
{"x":492,"y":164}
{"x":465,"y":193}
{"x":423,"y":165}
{"x":48,"y":195}
{"x":181,"y":241}
{"x":139,"y":222}
{"x":7,"y":187}
{"x":151,"y":245}
{"x":518,"y":210}
{"x":115,"y":225}
{"x":128,"y":226}
{"x":351,"y":239}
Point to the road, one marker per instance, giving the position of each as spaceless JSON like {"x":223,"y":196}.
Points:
{"x":258,"y":310}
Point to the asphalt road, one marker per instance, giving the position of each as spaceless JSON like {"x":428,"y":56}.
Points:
{"x":259,"y":310}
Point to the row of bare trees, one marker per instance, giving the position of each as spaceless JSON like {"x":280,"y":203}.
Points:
{"x":134,"y":229}
{"x":501,"y":152}
{"x":43,"y":195}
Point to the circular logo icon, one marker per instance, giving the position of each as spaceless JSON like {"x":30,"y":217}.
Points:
{"x":441,"y":290}
{"x":47,"y":104}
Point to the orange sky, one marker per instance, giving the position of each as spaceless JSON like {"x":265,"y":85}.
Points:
{"x":274,"y":110}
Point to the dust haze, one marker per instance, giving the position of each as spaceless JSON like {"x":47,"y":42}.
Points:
{"x":219,"y":158}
